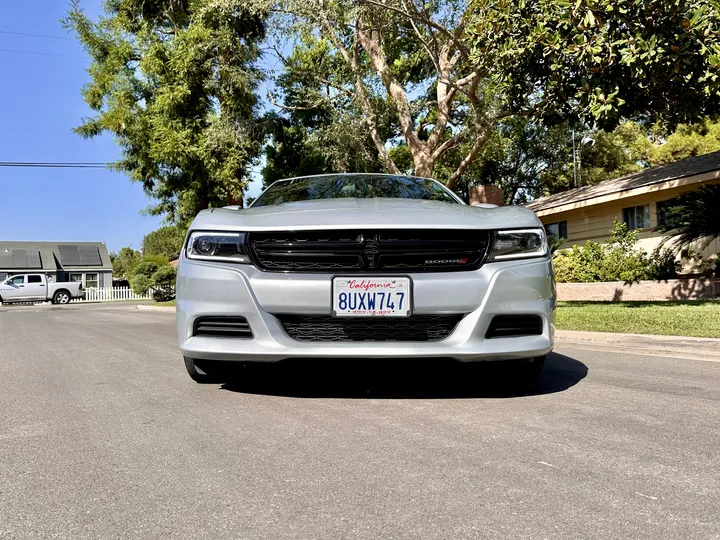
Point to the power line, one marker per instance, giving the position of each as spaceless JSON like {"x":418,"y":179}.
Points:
{"x":56,"y":165}
{"x":72,"y":165}
{"x":34,"y":35}
{"x":44,"y":54}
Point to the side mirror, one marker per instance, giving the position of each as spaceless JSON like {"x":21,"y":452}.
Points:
{"x":485,"y":205}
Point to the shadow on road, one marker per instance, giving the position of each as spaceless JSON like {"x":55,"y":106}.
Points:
{"x":399,"y":379}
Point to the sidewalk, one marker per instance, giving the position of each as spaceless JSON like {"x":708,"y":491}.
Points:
{"x":673,"y":346}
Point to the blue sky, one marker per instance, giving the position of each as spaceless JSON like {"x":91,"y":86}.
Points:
{"x":40,"y":103}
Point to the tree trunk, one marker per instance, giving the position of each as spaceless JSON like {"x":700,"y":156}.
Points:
{"x":423,"y":163}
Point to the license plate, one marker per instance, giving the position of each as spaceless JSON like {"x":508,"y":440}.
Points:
{"x":371,"y":297}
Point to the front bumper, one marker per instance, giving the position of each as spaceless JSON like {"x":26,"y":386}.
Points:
{"x":499,"y":288}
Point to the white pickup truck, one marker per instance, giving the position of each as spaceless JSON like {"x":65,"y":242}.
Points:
{"x":36,"y":288}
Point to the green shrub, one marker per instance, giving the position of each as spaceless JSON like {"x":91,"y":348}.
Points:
{"x":145,"y":268}
{"x":140,"y":283}
{"x":163,"y":283}
{"x":663,"y":264}
{"x":617,"y":260}
{"x":159,"y":260}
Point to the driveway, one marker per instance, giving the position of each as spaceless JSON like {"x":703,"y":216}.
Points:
{"x":103,"y":435}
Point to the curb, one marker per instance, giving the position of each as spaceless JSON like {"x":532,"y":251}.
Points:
{"x":166,"y":309}
{"x":707,"y":349}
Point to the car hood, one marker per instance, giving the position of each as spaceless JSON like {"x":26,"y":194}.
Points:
{"x":361,"y":213}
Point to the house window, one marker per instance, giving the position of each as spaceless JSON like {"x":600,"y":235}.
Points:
{"x":91,"y":280}
{"x":637,"y":217}
{"x":3,"y":276}
{"x":664,"y":213}
{"x":76,"y":277}
{"x":558,"y":230}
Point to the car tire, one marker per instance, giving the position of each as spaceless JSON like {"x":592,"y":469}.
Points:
{"x":203,"y":371}
{"x":529,"y":371}
{"x":61,"y":297}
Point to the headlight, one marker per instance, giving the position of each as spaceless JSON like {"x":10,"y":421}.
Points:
{"x":217,"y":246}
{"x":518,"y":244}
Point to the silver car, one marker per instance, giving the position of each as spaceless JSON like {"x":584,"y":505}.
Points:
{"x":364,"y":266}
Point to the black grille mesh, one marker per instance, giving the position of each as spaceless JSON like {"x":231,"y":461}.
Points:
{"x":514,"y":326}
{"x":222,"y":326}
{"x":370,"y":250}
{"x":331,"y":329}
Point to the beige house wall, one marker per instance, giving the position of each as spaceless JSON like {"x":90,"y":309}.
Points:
{"x":593,"y":222}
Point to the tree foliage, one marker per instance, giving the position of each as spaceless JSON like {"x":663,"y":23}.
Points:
{"x":124,"y":262}
{"x":394,"y":72}
{"x":166,"y":241}
{"x":694,"y":217}
{"x":175,"y":83}
{"x":158,"y":277}
{"x":457,"y":90}
{"x":602,"y":60}
{"x":687,"y":141}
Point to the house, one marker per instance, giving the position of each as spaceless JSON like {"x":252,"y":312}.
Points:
{"x":638,"y":199}
{"x":87,"y":262}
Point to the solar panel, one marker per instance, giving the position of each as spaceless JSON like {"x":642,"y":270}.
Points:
{"x":71,"y":255}
{"x":33,"y":259}
{"x":19,"y":258}
{"x":89,"y":256}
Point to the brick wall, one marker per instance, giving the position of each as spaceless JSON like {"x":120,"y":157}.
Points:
{"x":672,"y":289}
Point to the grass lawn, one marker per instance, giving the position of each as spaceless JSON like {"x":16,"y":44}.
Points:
{"x":170,"y":303}
{"x":698,"y":319}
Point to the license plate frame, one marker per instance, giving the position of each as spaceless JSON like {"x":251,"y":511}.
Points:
{"x":405,"y":284}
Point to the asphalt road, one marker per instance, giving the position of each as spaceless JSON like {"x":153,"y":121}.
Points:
{"x":103,"y":435}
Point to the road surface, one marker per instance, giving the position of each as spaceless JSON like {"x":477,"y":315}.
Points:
{"x":103,"y":435}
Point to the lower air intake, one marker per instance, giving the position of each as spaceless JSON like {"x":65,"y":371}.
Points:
{"x":232,"y":327}
{"x":334,"y":329}
{"x":514,"y":326}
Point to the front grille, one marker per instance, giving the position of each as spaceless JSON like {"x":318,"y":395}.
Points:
{"x":514,"y":326}
{"x":361,"y":251}
{"x":221,"y":326}
{"x":331,"y":329}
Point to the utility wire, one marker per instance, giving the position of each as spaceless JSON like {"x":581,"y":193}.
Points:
{"x":45,"y":54}
{"x":72,"y":165}
{"x":34,"y":35}
{"x":57,"y":165}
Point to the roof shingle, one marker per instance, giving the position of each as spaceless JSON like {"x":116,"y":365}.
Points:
{"x":655,"y":175}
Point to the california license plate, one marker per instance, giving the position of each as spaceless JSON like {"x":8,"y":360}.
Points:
{"x":371,"y":297}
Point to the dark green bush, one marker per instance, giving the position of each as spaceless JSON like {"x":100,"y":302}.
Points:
{"x":617,"y":260}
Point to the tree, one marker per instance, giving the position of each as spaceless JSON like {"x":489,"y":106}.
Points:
{"x":151,"y":275}
{"x":163,"y":283}
{"x":688,"y":141}
{"x":175,"y":83}
{"x":694,"y":217}
{"x":602,"y":60}
{"x":141,"y":277}
{"x":166,"y":241}
{"x":124,"y":262}
{"x":441,"y":77}
{"x":405,"y":74}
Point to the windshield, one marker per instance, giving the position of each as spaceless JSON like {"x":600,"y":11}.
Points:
{"x":358,"y":186}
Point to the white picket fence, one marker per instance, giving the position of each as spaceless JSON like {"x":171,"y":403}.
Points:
{"x":112,"y":294}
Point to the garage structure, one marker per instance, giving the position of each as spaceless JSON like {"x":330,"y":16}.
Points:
{"x":84,"y":262}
